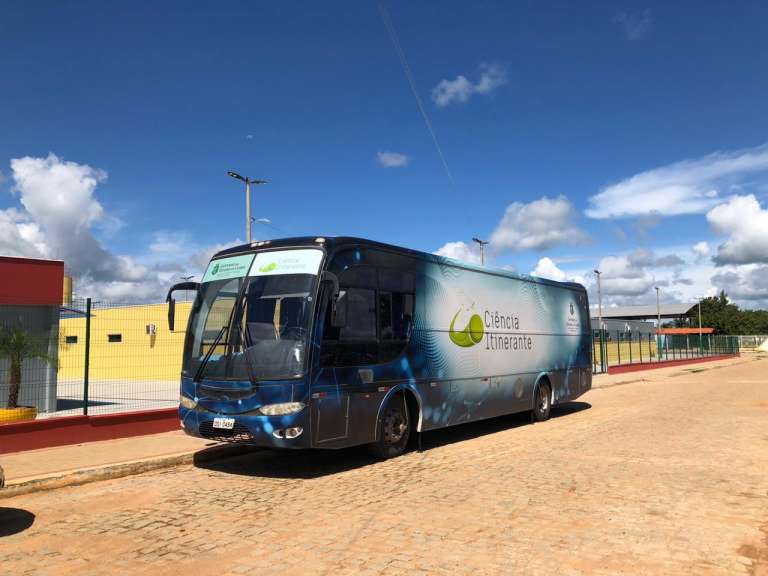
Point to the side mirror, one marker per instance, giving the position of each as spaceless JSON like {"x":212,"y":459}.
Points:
{"x":172,"y":303}
{"x":171,"y":313}
{"x":338,"y":301}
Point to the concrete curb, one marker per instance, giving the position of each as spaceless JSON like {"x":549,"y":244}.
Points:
{"x":120,"y":470}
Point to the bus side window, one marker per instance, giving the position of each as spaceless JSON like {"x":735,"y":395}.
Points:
{"x":354,"y":344}
{"x":395,"y":319}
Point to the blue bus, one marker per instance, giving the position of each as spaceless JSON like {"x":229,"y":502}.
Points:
{"x":333,"y":342}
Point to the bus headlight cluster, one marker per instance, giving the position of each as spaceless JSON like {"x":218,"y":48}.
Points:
{"x":187,"y":402}
{"x":281,"y":409}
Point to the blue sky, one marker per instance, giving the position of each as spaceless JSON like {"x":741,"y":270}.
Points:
{"x":655,"y":111}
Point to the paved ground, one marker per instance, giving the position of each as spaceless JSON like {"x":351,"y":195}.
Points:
{"x":647,"y":477}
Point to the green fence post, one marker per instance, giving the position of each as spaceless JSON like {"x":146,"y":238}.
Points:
{"x":603,"y":350}
{"x":87,"y":354}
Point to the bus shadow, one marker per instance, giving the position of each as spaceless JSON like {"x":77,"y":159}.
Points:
{"x":14,"y":520}
{"x":309,"y":464}
{"x":296,"y":464}
{"x":459,"y":433}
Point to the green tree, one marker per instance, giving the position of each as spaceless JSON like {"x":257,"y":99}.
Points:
{"x":18,"y":345}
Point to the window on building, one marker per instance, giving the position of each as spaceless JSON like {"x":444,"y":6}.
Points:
{"x":71,"y":339}
{"x":114,"y":337}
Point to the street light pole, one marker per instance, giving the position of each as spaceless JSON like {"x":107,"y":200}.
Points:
{"x":701,"y":349}
{"x":658,"y":321}
{"x":482,"y":251}
{"x":248,"y":227}
{"x":599,"y":301}
{"x":600,"y":319}
{"x":248,"y":219}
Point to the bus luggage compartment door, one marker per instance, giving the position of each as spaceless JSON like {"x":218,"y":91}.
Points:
{"x":331,"y":408}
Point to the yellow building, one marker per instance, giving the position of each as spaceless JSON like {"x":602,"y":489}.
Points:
{"x":127,"y":343}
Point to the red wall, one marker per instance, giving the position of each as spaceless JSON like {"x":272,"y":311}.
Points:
{"x":49,"y":432}
{"x":31,"y":282}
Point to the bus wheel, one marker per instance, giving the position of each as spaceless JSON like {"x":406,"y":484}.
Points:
{"x":543,"y":406}
{"x":394,"y":429}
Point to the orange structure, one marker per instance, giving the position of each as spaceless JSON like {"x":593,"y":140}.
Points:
{"x":685,"y":331}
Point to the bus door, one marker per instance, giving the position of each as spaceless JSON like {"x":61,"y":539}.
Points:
{"x":331,"y":407}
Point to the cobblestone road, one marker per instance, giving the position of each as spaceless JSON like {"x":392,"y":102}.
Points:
{"x":641,"y":478}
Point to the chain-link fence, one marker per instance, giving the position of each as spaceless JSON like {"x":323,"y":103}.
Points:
{"x":618,"y":348}
{"x":89,"y":357}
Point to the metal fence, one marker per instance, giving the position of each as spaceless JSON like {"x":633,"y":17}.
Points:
{"x":619,"y":348}
{"x":96,"y":357}
{"x":751,"y":342}
{"x":91,"y":357}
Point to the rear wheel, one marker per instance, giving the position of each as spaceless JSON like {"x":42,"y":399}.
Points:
{"x":394,"y":429}
{"x":543,"y":402}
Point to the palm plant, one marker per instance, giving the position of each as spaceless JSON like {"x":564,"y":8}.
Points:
{"x":18,"y":345}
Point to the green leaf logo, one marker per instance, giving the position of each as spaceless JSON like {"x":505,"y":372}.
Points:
{"x":471,"y":334}
{"x":268,"y":267}
{"x":215,"y":270}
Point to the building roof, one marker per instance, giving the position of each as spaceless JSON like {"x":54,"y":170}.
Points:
{"x":641,"y":312}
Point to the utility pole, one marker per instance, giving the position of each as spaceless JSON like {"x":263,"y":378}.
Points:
{"x":599,"y":302}
{"x":248,"y":219}
{"x":658,"y":321}
{"x":600,"y":318}
{"x":701,"y":349}
{"x":482,"y":251}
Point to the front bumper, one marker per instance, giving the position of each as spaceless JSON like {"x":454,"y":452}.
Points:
{"x":253,"y":430}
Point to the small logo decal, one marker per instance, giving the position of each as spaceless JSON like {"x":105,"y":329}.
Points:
{"x":268,"y":267}
{"x":471,"y":334}
{"x":215,"y":270}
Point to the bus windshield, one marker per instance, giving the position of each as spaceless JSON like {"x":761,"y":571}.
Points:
{"x":264,"y":328}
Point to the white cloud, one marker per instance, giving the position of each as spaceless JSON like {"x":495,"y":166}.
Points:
{"x":460,"y":90}
{"x":546,"y":268}
{"x":744,"y":283}
{"x":687,"y":187}
{"x":635,"y":25}
{"x":60,"y":212}
{"x":746,"y":223}
{"x":391,"y":159}
{"x":537,"y":225}
{"x":701,"y":250}
{"x":459,"y":251}
{"x":629,"y":274}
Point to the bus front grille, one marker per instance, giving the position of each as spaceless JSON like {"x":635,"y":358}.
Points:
{"x":238,"y":433}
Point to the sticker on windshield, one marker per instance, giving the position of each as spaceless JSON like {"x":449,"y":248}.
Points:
{"x":287,"y":262}
{"x":226,"y":268}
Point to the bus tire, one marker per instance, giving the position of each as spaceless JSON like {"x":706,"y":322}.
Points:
{"x":542,"y":407}
{"x":394,"y":429}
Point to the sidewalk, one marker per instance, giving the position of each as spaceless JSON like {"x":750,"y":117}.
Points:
{"x":81,"y":463}
{"x":78,"y":464}
{"x":657,"y":374}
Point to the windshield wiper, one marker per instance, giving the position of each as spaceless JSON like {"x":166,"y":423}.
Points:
{"x":208,"y":354}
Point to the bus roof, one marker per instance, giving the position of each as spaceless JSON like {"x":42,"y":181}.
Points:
{"x":334,"y":242}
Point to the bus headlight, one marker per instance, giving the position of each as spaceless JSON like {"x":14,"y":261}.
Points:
{"x":187,"y":402}
{"x":280,"y":409}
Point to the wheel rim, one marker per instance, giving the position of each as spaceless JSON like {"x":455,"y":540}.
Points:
{"x":395,"y":427}
{"x":543,"y":400}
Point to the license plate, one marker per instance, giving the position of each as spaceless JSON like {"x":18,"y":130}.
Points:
{"x":224,"y":423}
